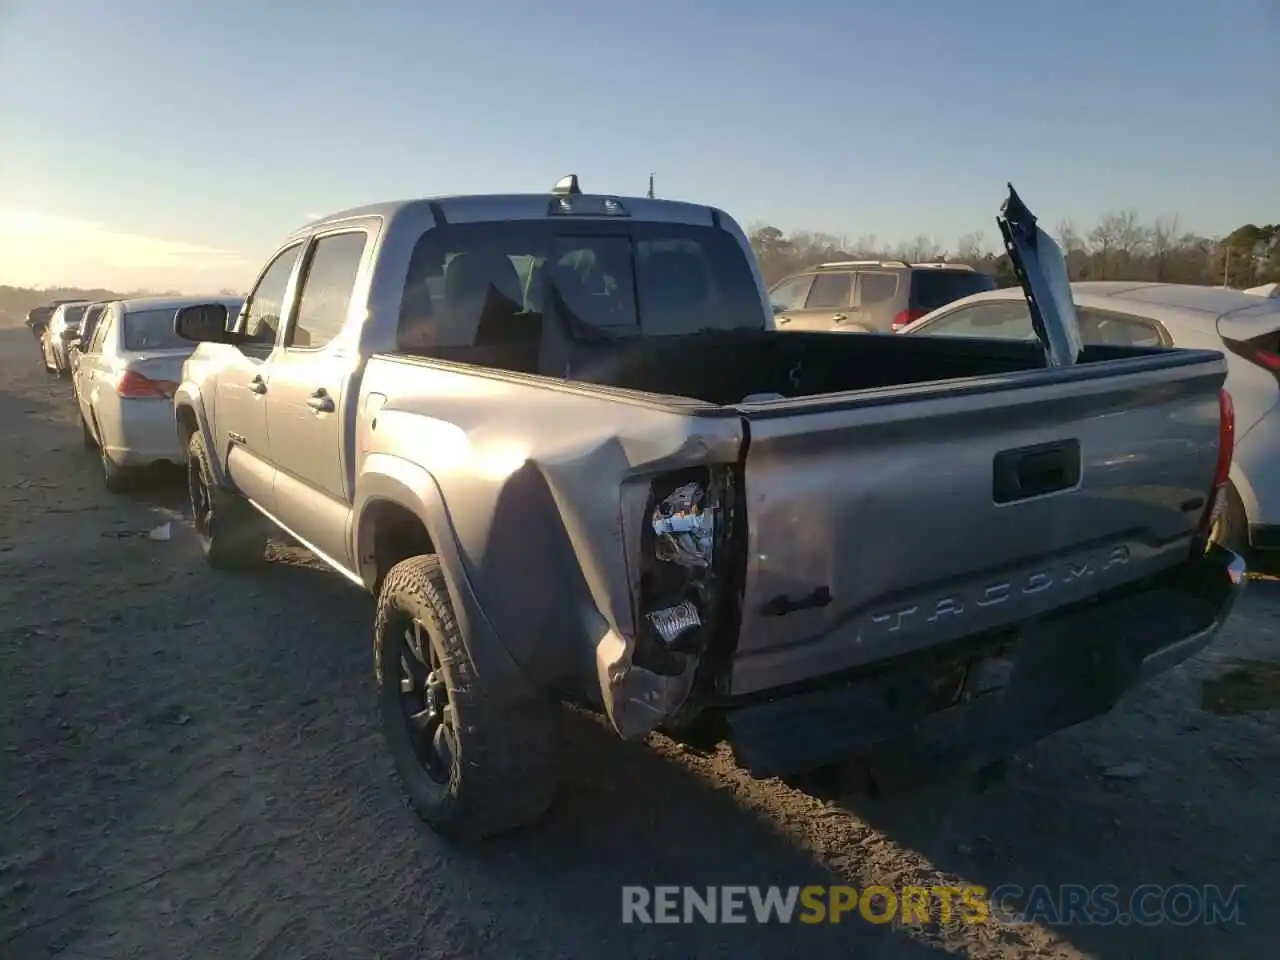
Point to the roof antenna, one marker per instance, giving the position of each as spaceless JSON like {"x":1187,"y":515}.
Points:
{"x":650,"y":186}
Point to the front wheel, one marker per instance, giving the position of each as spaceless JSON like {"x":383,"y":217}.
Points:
{"x":231,"y":533}
{"x":471,"y":765}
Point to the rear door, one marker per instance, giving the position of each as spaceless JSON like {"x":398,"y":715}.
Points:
{"x":307,"y":418}
{"x":827,"y":303}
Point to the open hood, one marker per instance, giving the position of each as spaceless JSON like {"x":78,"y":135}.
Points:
{"x":1042,"y":272}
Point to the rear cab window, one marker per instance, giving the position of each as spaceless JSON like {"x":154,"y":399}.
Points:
{"x":478,"y":284}
{"x":149,"y":330}
{"x":933,"y":288}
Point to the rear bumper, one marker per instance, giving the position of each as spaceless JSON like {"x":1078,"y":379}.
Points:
{"x":1053,"y":675}
{"x":141,"y":433}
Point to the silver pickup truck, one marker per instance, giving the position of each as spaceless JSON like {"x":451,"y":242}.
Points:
{"x":559,"y":440}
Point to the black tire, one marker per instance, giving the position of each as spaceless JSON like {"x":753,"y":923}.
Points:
{"x":1231,"y":527}
{"x":493,"y":768}
{"x":231,"y":533}
{"x":87,"y":434}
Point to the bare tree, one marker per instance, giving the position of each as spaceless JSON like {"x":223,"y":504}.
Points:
{"x":1164,"y":239}
{"x":971,"y":248}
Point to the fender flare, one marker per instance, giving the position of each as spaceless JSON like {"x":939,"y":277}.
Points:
{"x":188,"y":396}
{"x":388,"y":479}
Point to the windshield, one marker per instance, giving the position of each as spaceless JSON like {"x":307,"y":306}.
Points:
{"x":931,"y":289}
{"x":151,"y":330}
{"x":604,"y":280}
{"x":71,"y":316}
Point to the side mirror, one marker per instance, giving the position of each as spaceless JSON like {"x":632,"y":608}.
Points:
{"x":203,"y":323}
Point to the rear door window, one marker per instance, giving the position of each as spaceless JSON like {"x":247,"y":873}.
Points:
{"x":327,"y":288}
{"x":931,"y":289}
{"x":876,"y":288}
{"x":830,"y":291}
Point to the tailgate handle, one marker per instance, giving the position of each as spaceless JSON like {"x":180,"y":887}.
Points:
{"x":1035,"y":471}
{"x":781,"y":605}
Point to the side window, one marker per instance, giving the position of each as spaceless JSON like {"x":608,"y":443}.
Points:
{"x":993,"y":320}
{"x":876,"y":288}
{"x":326,"y":289}
{"x":1118,"y":330}
{"x":266,"y":303}
{"x":790,"y":294}
{"x":100,"y":332}
{"x":830,"y":291}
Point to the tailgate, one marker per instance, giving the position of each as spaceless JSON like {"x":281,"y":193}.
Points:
{"x":886,"y":521}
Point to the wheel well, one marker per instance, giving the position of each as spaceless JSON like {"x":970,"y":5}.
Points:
{"x":390,"y":533}
{"x":187,"y":425}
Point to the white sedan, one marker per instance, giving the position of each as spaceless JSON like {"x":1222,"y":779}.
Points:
{"x":124,"y":385}
{"x":1244,"y":326}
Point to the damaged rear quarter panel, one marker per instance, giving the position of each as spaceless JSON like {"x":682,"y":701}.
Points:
{"x":545,"y":485}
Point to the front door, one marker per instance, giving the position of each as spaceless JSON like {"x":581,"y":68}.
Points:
{"x":240,"y":420}
{"x":309,"y":408}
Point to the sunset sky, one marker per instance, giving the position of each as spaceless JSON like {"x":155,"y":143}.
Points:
{"x":172,"y":144}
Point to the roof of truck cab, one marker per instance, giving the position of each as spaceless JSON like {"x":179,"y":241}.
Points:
{"x":516,"y":206}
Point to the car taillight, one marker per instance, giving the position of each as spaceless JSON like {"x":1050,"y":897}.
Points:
{"x":1221,"y":473}
{"x":906,"y":317}
{"x":134,"y":386}
{"x":1262,"y":351}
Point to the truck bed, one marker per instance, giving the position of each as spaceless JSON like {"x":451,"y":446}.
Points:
{"x":889,"y":493}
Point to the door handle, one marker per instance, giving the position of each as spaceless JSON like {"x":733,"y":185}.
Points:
{"x":320,"y":401}
{"x":840,"y":317}
{"x":258,"y":385}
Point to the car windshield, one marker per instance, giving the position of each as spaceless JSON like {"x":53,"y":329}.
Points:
{"x":151,"y":330}
{"x":932,"y":288}
{"x":605,"y":280}
{"x":71,"y":316}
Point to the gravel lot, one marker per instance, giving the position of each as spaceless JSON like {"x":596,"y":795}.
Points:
{"x":191,"y":768}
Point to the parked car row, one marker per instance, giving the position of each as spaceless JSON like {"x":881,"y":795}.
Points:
{"x":124,"y":361}
{"x":564,"y":443}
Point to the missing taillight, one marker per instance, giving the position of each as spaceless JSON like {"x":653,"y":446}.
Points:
{"x":678,"y":583}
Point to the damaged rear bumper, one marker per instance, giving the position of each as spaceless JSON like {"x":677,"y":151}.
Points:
{"x":1052,"y":675}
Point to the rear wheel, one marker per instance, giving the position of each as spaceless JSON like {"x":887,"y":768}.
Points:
{"x":1230,"y":527}
{"x":471,"y":765}
{"x":231,"y":533}
{"x":87,"y":434}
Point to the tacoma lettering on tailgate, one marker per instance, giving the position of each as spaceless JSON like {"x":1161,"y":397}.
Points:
{"x":965,"y":602}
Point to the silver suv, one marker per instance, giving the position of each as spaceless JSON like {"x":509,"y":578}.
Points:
{"x":871,"y":296}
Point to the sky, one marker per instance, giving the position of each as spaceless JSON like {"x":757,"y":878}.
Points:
{"x":172,"y":144}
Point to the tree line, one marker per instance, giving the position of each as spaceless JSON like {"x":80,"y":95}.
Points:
{"x":1119,"y":247}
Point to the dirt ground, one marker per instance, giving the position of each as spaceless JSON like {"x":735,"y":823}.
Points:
{"x":191,"y":768}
